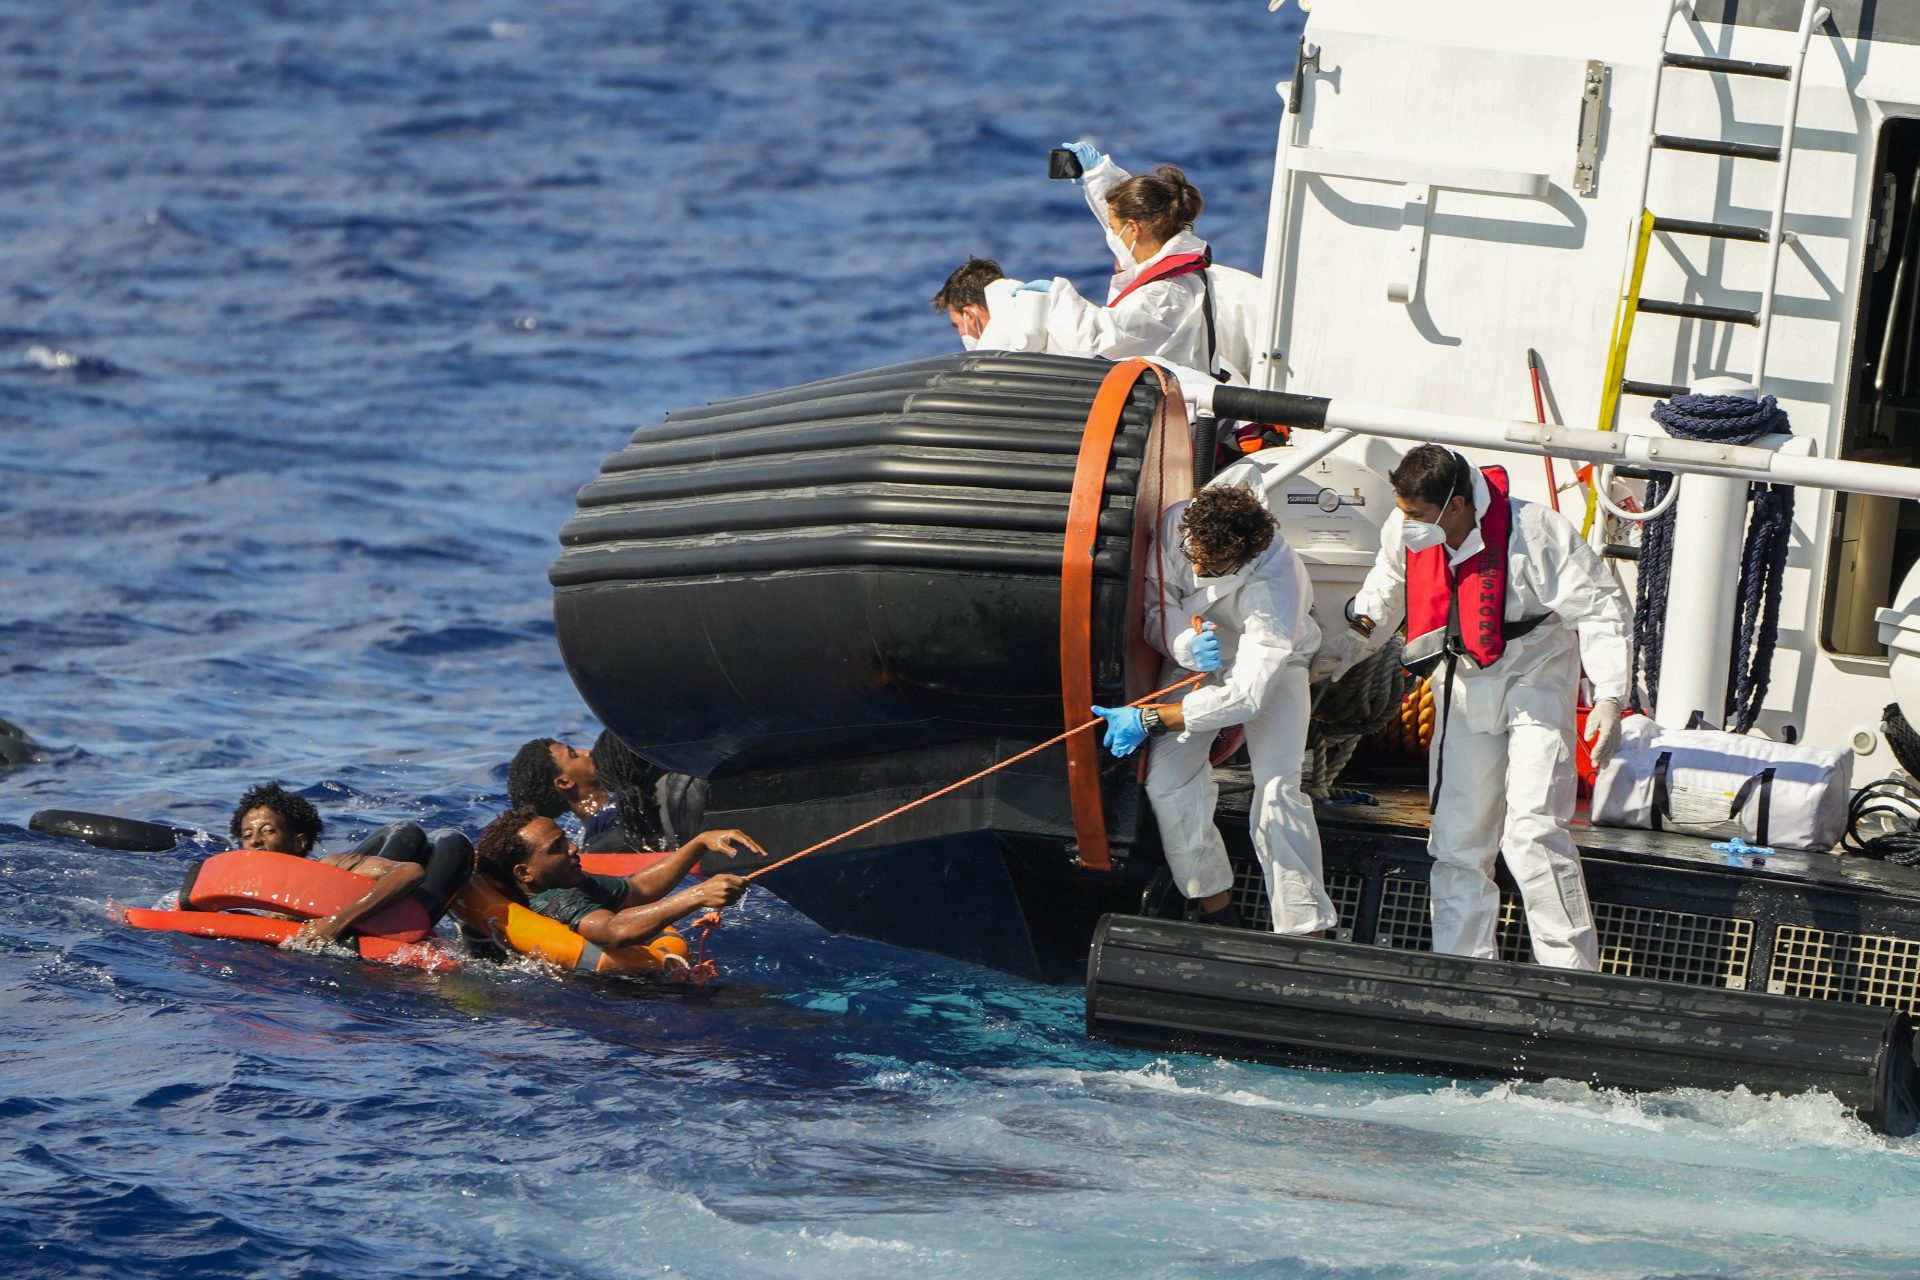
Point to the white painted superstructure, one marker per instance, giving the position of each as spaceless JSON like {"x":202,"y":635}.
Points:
{"x":1457,"y":183}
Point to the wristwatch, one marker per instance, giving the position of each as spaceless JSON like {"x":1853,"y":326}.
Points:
{"x":1150,"y":721}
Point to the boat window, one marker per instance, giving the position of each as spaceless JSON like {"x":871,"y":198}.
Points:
{"x":1876,"y":540}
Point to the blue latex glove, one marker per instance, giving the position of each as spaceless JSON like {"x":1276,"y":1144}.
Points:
{"x":1125,"y":732}
{"x":1034,"y":286}
{"x":1086,"y":153}
{"x":1736,"y":849}
{"x":1206,"y":650}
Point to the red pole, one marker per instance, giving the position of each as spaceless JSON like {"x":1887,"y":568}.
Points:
{"x":1540,"y":416}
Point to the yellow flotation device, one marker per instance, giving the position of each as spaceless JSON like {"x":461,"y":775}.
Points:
{"x":485,"y":910}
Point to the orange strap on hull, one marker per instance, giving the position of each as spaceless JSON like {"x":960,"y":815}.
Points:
{"x":1076,"y":610}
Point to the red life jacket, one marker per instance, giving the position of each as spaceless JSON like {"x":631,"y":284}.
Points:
{"x":1180,"y":264}
{"x":1470,"y":601}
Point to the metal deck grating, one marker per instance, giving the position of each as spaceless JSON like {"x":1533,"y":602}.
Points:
{"x":1404,"y":921}
{"x":1853,"y":967}
{"x":1250,"y":895}
{"x":1673,"y":946}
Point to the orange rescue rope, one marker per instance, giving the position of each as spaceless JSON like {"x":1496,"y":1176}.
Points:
{"x":703,"y":970}
{"x":969,"y":779}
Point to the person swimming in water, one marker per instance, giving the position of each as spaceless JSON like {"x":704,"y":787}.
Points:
{"x":625,"y":803}
{"x":528,"y":857}
{"x":399,"y":858}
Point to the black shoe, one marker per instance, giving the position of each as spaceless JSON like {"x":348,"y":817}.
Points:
{"x":1227,"y":917}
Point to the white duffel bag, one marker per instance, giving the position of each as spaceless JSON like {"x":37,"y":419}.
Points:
{"x":1703,"y":782}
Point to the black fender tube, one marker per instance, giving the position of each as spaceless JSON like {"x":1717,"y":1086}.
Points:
{"x":1172,"y":985}
{"x":105,"y":831}
{"x":1283,"y":408}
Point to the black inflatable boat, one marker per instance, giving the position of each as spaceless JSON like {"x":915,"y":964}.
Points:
{"x":834,"y":598}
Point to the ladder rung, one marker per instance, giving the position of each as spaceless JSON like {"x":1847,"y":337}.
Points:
{"x":1651,"y":390}
{"x":1717,"y":147}
{"x":1729,"y":66}
{"x":1633,"y":473}
{"x":1717,"y":230}
{"x":1699,"y":311}
{"x":1620,"y":551}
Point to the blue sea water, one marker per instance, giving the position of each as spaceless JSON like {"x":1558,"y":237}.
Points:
{"x":315,"y":315}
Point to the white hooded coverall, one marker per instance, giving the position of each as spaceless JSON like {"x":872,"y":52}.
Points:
{"x":1015,"y":322}
{"x":1164,"y":319}
{"x":1266,"y":641}
{"x":1507,"y":739}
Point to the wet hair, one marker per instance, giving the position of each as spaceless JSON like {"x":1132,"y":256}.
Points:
{"x":297,"y":812}
{"x":633,"y":781}
{"x":1431,"y":474}
{"x":967,"y":286}
{"x":531,"y":776}
{"x":1229,"y":522}
{"x":1162,"y":202}
{"x":500,"y":849}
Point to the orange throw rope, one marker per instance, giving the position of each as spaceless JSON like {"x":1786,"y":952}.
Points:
{"x":971,"y":778}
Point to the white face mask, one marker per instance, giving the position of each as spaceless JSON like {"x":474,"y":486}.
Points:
{"x":1122,"y":251}
{"x":1418,"y":535}
{"x":970,"y":343}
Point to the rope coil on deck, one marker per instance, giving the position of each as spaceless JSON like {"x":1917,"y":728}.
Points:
{"x":1763,"y":558}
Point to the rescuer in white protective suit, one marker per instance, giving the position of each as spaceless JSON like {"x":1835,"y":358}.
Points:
{"x":1221,"y":557}
{"x":1157,"y":301}
{"x":1510,"y":602}
{"x":980,"y":303}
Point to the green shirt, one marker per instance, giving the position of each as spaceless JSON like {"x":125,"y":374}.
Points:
{"x":572,"y":905}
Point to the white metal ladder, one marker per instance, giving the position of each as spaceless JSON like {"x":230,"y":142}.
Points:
{"x":1813,"y":14}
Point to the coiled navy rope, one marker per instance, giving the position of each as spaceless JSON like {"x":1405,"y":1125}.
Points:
{"x":1763,"y":558}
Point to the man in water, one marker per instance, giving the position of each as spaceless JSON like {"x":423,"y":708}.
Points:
{"x":526,"y":855}
{"x":398,"y":858}
{"x":554,"y":777}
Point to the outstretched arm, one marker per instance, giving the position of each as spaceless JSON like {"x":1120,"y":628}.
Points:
{"x":1142,"y":327}
{"x":637,"y":924}
{"x":658,"y":880}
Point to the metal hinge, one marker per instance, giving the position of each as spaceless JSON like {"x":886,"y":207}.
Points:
{"x":1593,"y":111}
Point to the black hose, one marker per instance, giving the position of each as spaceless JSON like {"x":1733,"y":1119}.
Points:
{"x":1897,"y":800}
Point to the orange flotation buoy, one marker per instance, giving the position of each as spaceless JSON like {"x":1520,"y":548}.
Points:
{"x":485,"y":910}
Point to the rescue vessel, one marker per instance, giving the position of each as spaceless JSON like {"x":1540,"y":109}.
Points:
{"x":831,"y":599}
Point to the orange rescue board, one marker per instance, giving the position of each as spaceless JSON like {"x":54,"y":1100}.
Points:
{"x":256,"y":879}
{"x":620,"y":864}
{"x":209,"y":924}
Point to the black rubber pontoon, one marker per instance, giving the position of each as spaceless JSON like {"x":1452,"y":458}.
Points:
{"x":1189,"y":987}
{"x":833,"y":598}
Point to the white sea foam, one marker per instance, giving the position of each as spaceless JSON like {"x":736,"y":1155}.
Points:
{"x":50,"y":358}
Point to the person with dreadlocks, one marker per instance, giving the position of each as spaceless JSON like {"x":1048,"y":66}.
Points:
{"x":1507,"y":601}
{"x":1221,"y":557}
{"x":625,"y":802}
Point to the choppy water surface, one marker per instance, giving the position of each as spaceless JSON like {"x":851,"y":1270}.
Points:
{"x":314,"y":317}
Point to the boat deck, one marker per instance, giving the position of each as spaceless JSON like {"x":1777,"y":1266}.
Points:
{"x":1667,"y":906}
